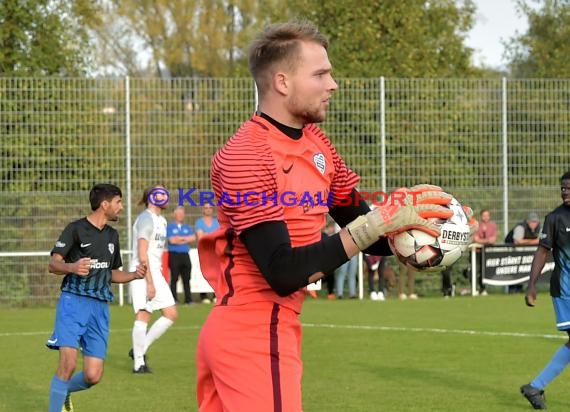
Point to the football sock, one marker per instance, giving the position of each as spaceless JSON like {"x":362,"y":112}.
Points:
{"x":156,"y":331}
{"x":78,"y":383}
{"x":57,"y":393}
{"x":556,"y":365}
{"x":139,"y":334}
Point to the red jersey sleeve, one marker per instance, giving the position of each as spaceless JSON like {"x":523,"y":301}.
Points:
{"x":244,"y":179}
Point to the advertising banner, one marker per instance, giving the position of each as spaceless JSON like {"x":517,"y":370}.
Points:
{"x":510,"y":264}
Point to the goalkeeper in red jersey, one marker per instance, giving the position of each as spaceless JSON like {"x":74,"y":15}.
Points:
{"x":269,"y":246}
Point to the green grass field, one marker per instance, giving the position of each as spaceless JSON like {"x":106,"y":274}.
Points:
{"x":433,"y":354}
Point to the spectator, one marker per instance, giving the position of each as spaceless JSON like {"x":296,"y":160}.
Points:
{"x":329,"y":278}
{"x":485,"y":235}
{"x":208,"y":223}
{"x":347,"y":271}
{"x":447,"y":285}
{"x":375,"y":268}
{"x":555,"y":239}
{"x":180,"y":235}
{"x":406,"y":282}
{"x":524,"y":233}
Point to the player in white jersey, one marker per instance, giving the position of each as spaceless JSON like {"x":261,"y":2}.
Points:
{"x":151,"y":293}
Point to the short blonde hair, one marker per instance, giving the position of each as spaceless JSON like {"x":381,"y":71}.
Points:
{"x":278,"y":44}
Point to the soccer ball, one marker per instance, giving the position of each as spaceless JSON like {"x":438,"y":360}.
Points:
{"x":425,"y":252}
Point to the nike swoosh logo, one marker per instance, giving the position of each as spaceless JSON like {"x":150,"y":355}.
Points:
{"x":286,"y":171}
{"x":52,"y":342}
{"x":85,"y":244}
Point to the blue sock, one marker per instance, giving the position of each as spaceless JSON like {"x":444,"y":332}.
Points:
{"x":57,"y":394}
{"x":78,"y":383}
{"x":556,"y":365}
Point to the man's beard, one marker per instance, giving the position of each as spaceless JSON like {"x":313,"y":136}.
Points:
{"x":306,"y":114}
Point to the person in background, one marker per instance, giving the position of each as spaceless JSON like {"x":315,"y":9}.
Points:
{"x":555,"y":239}
{"x":208,"y":223}
{"x":375,"y":266}
{"x":485,"y":235}
{"x":347,"y":271}
{"x":447,"y":285}
{"x":329,"y":278}
{"x":406,"y":282}
{"x":525,"y":233}
{"x":180,"y":235}
{"x":88,"y":255}
{"x":153,"y":292}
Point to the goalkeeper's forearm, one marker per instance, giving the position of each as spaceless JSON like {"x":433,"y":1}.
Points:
{"x":350,"y":246}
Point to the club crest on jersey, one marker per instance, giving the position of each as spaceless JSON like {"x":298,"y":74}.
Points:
{"x":111,"y":248}
{"x":319,"y":160}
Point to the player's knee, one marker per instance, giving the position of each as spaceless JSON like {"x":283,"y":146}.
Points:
{"x":93,"y":377}
{"x":172,"y":315}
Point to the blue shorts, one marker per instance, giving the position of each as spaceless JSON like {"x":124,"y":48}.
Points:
{"x":81,"y":322}
{"x":562,"y":311}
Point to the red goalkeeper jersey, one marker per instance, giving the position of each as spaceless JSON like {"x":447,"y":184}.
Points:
{"x":263,"y":175}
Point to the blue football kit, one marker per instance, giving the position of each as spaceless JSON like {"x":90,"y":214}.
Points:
{"x":82,"y":315}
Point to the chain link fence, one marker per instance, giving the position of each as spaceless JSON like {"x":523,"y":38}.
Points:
{"x":494,"y":143}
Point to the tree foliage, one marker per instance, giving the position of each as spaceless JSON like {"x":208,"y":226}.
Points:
{"x":543,"y":50}
{"x":44,"y":37}
{"x":183,"y":38}
{"x":413,"y":38}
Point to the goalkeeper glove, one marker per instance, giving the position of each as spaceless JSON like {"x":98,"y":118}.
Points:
{"x":409,"y":209}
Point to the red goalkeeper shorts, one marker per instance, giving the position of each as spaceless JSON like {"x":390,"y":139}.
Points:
{"x":249,"y":359}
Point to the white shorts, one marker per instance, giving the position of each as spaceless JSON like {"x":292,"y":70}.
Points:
{"x":162,"y":299}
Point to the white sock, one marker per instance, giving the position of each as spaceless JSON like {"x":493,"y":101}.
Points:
{"x":139,"y":336}
{"x":156,"y":331}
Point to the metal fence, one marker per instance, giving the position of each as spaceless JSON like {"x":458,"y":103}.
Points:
{"x":494,"y":143}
